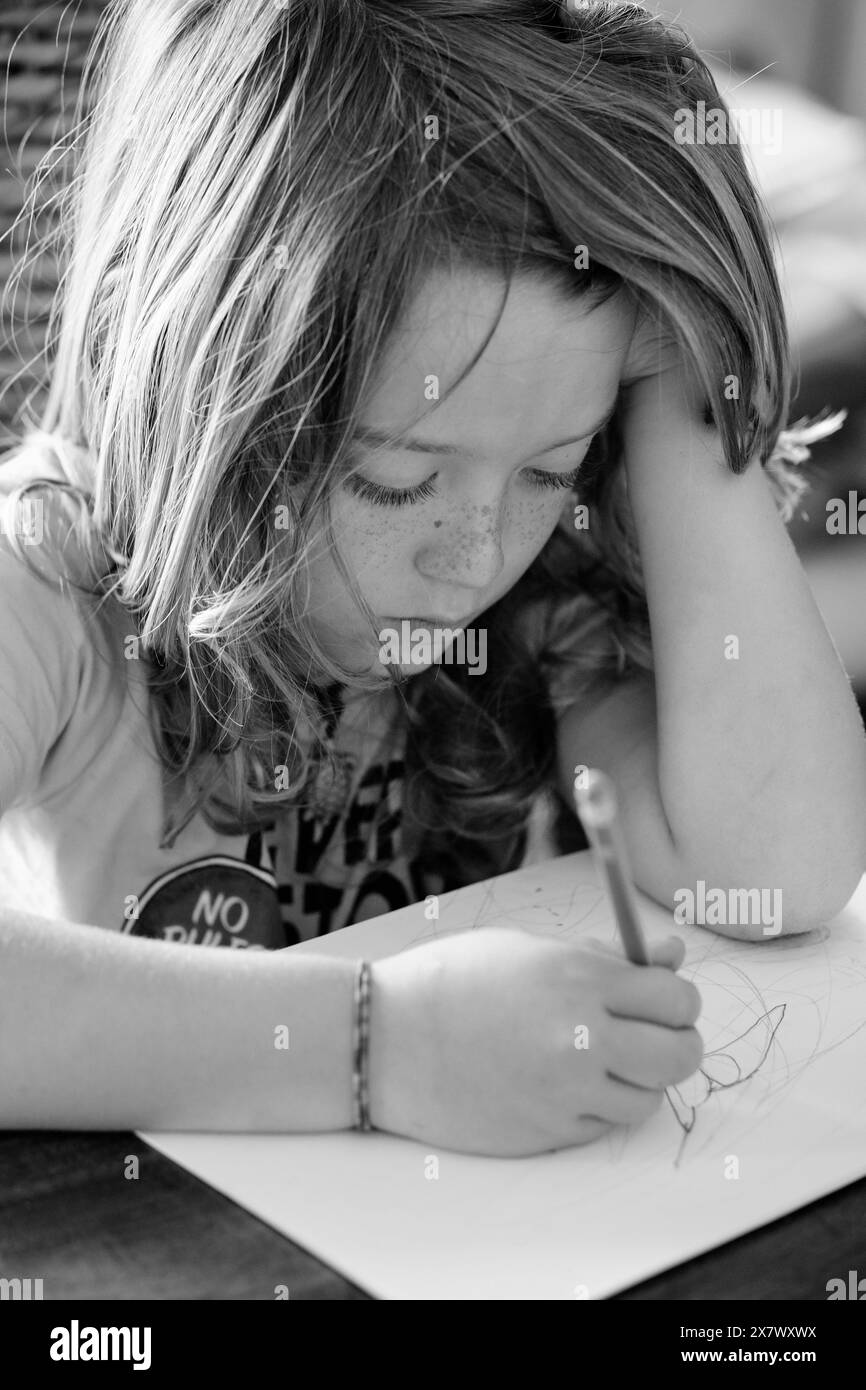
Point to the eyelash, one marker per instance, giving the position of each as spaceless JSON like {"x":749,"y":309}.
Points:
{"x":405,"y":496}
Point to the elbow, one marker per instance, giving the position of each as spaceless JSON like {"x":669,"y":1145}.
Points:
{"x":788,"y":906}
{"x":810,"y":905}
{"x":819,"y":891}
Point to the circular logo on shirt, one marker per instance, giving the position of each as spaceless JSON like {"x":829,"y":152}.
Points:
{"x":215,"y":901}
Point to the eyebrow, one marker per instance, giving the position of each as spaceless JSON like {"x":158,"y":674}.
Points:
{"x":382,"y":440}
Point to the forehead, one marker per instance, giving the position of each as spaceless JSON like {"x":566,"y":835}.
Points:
{"x":552,"y":360}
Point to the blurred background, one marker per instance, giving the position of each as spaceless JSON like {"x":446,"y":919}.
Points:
{"x":793,"y":67}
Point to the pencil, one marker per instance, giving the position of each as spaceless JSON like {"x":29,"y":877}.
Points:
{"x":596,"y":807}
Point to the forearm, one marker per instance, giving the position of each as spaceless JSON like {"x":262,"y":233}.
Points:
{"x":760,"y":749}
{"x":102,"y":1031}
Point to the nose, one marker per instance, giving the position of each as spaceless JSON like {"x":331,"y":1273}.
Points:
{"x":467,"y":552}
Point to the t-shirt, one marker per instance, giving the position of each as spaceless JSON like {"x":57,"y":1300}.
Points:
{"x":82,"y":787}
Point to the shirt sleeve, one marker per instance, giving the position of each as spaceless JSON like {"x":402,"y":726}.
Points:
{"x":41,"y":633}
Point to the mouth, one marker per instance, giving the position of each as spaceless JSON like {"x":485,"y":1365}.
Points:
{"x":427,"y":621}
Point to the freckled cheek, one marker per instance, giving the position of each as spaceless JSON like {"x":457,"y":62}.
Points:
{"x":380,"y":545}
{"x":532,"y":522}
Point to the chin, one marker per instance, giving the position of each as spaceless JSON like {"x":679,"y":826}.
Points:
{"x":405,"y":671}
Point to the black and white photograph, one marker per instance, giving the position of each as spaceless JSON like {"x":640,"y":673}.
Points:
{"x":432,"y":670}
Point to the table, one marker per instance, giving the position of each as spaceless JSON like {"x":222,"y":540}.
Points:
{"x":70,"y":1217}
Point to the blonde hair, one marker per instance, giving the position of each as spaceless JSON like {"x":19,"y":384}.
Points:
{"x":254,"y":202}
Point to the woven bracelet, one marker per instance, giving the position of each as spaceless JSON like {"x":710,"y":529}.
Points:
{"x":361,"y":1048}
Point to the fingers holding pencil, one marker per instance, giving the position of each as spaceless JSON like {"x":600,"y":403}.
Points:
{"x":670,"y":952}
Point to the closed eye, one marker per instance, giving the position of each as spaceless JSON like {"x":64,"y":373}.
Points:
{"x":380,"y":496}
{"x":543,"y":480}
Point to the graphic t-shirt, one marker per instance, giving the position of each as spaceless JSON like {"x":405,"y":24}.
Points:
{"x":82,"y":791}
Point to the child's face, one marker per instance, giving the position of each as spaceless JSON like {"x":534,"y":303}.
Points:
{"x":472,"y":519}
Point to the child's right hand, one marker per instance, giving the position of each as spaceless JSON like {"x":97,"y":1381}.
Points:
{"x":475,"y":1040}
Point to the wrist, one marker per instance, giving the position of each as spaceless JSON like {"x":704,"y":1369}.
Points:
{"x":396,"y":1086}
{"x":316,"y":996}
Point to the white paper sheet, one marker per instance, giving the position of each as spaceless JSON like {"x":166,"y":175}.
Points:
{"x":781,"y":1091}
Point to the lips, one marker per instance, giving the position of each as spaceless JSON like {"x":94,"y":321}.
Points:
{"x":419,"y":621}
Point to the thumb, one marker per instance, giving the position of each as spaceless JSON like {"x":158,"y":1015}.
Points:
{"x":671,"y":952}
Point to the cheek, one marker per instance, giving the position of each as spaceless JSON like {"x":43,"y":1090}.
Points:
{"x":377,"y":541}
{"x":353,"y":528}
{"x":533,"y":521}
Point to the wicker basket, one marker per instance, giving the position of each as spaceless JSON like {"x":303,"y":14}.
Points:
{"x":42,"y":50}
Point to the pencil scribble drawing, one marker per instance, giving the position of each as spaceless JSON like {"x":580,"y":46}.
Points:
{"x":744,"y":1030}
{"x":728,"y":1066}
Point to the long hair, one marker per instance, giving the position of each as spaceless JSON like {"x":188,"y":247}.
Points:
{"x":258,"y":190}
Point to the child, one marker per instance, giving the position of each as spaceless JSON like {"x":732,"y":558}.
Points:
{"x":386,"y":318}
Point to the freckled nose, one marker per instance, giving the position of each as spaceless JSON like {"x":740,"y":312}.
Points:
{"x":471,"y":556}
